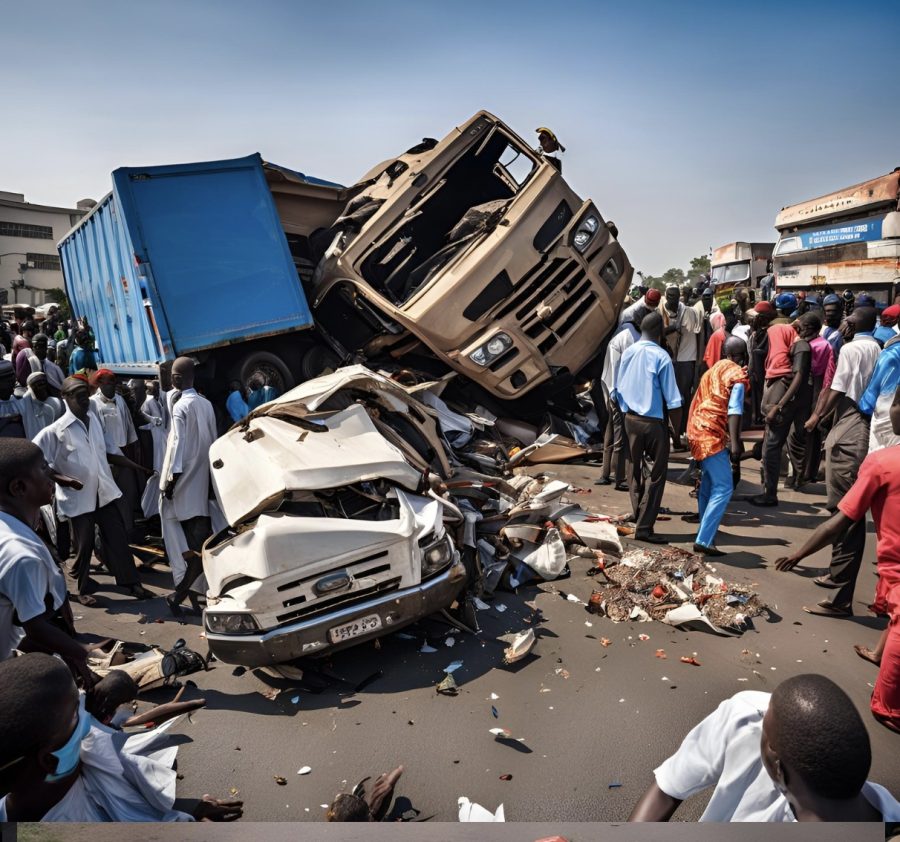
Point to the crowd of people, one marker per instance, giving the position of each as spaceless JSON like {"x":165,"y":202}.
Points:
{"x":87,"y":460}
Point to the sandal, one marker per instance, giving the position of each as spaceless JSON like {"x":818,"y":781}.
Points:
{"x":86,"y":600}
{"x":826,"y":609}
{"x":825,"y":582}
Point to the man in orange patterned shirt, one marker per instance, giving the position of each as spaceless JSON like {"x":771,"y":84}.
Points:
{"x":714,"y":417}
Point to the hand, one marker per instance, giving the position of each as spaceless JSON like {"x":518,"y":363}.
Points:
{"x":170,"y":488}
{"x":772,"y":415}
{"x":787,"y":563}
{"x":813,"y":422}
{"x":80,"y":667}
{"x":218,"y":810}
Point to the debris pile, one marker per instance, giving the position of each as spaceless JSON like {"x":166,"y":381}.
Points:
{"x":674,"y":587}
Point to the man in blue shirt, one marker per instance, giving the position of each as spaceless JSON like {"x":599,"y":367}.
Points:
{"x":235,"y":403}
{"x":644,"y":385}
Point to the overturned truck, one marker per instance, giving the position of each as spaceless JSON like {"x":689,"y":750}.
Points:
{"x":470,"y":254}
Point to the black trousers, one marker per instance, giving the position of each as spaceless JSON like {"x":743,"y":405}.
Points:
{"x":648,"y":460}
{"x":116,"y":553}
{"x":787,"y":429}
{"x":614,"y":444}
{"x":196,"y":531}
{"x":684,"y":379}
{"x":845,"y":448}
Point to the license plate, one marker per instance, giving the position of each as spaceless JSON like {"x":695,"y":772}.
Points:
{"x":363,"y":625}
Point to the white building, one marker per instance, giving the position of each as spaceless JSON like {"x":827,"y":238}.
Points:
{"x":29,"y":261}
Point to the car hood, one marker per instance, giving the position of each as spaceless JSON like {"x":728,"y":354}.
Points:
{"x":256,"y":464}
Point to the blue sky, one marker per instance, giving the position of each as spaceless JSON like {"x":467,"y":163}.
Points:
{"x":690,"y":124}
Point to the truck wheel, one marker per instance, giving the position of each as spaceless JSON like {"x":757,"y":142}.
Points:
{"x":317,"y":360}
{"x":276,"y":372}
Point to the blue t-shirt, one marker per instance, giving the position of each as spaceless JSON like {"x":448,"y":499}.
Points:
{"x":645,"y":379}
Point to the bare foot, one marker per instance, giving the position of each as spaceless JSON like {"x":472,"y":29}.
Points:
{"x":867,"y":654}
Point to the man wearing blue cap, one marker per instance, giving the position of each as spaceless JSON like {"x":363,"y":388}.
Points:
{"x":785,"y":304}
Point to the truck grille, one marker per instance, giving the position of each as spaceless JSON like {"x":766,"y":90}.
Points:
{"x":303,"y":602}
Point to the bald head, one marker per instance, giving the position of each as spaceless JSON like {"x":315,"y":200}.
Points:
{"x":863,"y":319}
{"x":735,"y":349}
{"x":183,"y":373}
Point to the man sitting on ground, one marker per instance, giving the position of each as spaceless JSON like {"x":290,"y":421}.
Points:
{"x":801,"y":753}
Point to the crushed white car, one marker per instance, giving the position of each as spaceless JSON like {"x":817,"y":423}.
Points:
{"x":335,"y":532}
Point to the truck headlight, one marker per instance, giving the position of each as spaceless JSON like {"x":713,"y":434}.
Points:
{"x":498,"y":344}
{"x":436,"y":556}
{"x":221,"y":623}
{"x":585,"y":232}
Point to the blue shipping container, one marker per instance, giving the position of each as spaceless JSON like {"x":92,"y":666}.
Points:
{"x":179,"y":259}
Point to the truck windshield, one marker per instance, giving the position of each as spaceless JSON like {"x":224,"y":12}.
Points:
{"x":453,"y":209}
{"x":732,"y":273}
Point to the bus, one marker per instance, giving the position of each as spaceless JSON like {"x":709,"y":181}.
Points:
{"x":739,"y":265}
{"x":849,"y":239}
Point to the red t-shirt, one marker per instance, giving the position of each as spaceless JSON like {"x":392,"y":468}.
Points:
{"x":714,"y":347}
{"x":877,"y":487}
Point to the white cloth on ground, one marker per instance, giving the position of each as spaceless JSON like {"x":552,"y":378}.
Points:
{"x":123,"y":778}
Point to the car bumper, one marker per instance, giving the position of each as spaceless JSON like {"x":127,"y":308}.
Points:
{"x":310,"y":637}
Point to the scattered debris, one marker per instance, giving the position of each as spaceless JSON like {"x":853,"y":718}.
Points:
{"x":427,"y":649}
{"x":503,"y":733}
{"x":520,"y":646}
{"x":304,"y":770}
{"x":661,"y":653}
{"x":469,"y":811}
{"x":605,"y":641}
{"x":690,"y":660}
{"x":494,"y":712}
{"x":614,"y":785}
{"x":448,"y":686}
{"x":643,"y":637}
{"x":506,"y":777}
{"x":450,"y":642}
{"x":452,"y":667}
{"x":280,"y":780}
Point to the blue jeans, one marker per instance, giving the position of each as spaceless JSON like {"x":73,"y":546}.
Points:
{"x":716,"y":488}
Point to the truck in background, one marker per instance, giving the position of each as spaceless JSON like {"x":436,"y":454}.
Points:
{"x":739,"y":265}
{"x":471,"y":254}
{"x":849,"y":239}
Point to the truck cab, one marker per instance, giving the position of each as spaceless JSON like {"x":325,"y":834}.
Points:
{"x":739,"y":265}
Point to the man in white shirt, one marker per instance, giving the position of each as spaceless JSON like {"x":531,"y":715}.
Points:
{"x":33,"y":597}
{"x":185,"y":475}
{"x":119,"y":432}
{"x":682,"y":329}
{"x":846,"y":445}
{"x":799,"y":754}
{"x":75,"y":446}
{"x":38,"y":409}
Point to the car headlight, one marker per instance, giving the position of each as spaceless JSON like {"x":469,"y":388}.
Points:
{"x":585,"y":232}
{"x":221,"y":623}
{"x":436,"y":556}
{"x":498,"y":344}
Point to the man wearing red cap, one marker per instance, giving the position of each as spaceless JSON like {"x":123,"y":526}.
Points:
{"x":636,"y":312}
{"x":887,"y":330}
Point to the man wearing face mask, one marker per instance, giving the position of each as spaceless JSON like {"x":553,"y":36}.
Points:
{"x":57,"y":763}
{"x":801,"y":753}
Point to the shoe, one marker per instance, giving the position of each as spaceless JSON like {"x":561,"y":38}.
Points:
{"x":692,"y":518}
{"x":825,"y":582}
{"x":763,"y":500}
{"x":140,"y":592}
{"x":710,"y":551}
{"x":621,"y":486}
{"x":826,"y":609}
{"x":650,"y":538}
{"x":790,"y":483}
{"x":603,"y":481}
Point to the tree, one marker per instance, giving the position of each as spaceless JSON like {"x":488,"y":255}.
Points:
{"x":699,"y":266}
{"x":58,"y":296}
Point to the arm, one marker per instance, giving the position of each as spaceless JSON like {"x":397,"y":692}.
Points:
{"x":672,"y":397}
{"x":824,"y":535}
{"x":827,"y":402}
{"x":162,"y":713}
{"x":802,"y":361}
{"x":47,"y":637}
{"x":654,"y":806}
{"x":122,"y":461}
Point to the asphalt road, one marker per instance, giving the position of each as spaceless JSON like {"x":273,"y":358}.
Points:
{"x":589,"y":722}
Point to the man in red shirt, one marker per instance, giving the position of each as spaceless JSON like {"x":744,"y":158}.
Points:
{"x":877,"y":488}
{"x":716,"y":342}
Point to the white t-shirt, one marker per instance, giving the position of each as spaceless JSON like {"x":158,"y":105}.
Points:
{"x":118,"y":428}
{"x":855,"y":366}
{"x":28,"y":575}
{"x":724,"y":751}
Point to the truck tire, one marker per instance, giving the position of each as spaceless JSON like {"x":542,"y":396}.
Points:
{"x":273,"y":367}
{"x":317,"y":360}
